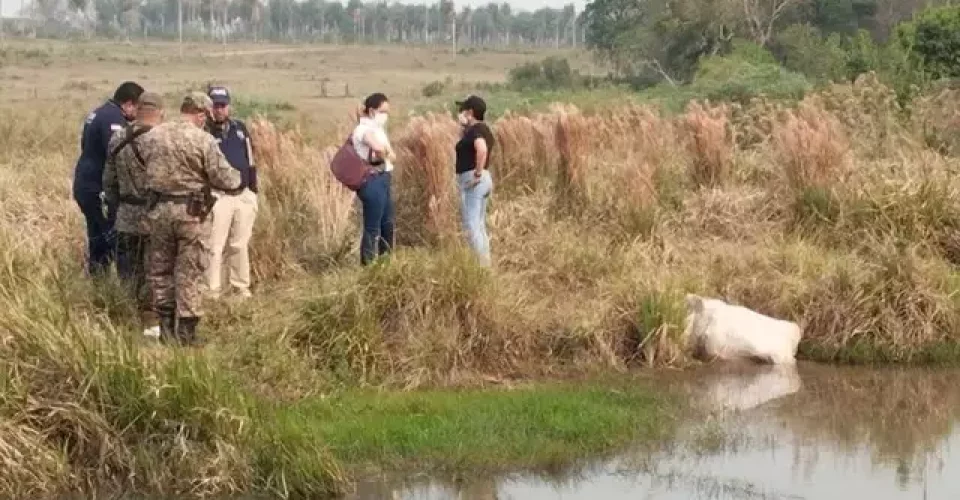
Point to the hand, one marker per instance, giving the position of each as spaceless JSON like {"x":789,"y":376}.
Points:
{"x":474,"y":181}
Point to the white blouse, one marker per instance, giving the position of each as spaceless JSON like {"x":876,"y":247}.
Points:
{"x":367,"y":125}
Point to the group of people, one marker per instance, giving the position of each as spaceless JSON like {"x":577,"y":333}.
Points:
{"x":371,"y":142}
{"x":168,"y":200}
{"x":165,"y":200}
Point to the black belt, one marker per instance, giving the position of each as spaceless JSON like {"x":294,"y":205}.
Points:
{"x":234,"y":192}
{"x":133,"y":200}
{"x":173,"y":198}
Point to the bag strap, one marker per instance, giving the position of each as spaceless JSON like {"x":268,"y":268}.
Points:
{"x":130,"y":140}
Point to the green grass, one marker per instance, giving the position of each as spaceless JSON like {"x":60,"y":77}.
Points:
{"x":449,"y":431}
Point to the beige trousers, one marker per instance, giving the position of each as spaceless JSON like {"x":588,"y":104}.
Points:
{"x":231,"y":228}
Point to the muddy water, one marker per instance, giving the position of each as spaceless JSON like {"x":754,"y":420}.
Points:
{"x":809,"y":432}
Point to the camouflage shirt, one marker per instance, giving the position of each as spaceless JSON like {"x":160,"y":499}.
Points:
{"x":124,"y":181}
{"x":182,"y":159}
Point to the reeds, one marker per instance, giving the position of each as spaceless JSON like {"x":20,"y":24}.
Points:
{"x":811,"y":147}
{"x":710,"y":141}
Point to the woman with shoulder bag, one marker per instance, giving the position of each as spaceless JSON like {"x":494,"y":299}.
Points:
{"x":372,"y":144}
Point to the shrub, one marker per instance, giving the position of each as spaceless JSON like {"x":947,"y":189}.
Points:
{"x":804,"y":49}
{"x":552,"y":73}
{"x":434,"y":89}
{"x":747,"y":72}
{"x":932,"y":39}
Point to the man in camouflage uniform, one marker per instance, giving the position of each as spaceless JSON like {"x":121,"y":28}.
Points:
{"x":184,"y":164}
{"x":124,"y":186}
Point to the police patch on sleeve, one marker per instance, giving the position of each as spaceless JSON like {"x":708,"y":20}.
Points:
{"x":240,"y":135}
{"x":90,"y":117}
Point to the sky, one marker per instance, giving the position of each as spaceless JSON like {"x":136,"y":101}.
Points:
{"x":10,"y":7}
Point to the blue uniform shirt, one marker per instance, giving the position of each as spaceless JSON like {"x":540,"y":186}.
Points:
{"x":97,"y":130}
{"x":232,"y":138}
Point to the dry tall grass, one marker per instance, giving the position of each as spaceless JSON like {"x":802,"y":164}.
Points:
{"x":869,"y":277}
{"x":710,"y":141}
{"x":305,"y":211}
{"x":426,"y":194}
{"x":811,"y":147}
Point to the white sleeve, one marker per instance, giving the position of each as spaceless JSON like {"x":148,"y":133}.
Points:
{"x":359,"y":145}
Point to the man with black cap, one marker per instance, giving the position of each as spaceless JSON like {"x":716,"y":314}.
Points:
{"x":98,"y":128}
{"x":125,"y":186}
{"x":473,"y":174}
{"x":235,"y":211}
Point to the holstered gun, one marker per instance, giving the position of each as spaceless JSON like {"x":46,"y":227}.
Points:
{"x":201,"y":204}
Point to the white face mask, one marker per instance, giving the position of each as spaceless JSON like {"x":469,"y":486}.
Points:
{"x":381,"y":118}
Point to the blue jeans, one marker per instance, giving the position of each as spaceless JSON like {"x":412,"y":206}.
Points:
{"x":101,"y":240}
{"x":378,"y":217}
{"x":473,"y":212}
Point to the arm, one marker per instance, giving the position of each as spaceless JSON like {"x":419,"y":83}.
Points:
{"x":254,"y":185}
{"x":480,"y":144}
{"x":111,"y":187}
{"x":219,"y":172}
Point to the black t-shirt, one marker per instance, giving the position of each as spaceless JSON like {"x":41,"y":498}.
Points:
{"x":467,"y":152}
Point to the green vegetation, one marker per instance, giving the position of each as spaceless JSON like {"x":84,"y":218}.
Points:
{"x":480,"y":430}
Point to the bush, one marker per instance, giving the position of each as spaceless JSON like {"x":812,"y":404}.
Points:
{"x":747,"y":72}
{"x":803,"y":48}
{"x":433,"y":89}
{"x":933,"y":41}
{"x":552,"y":73}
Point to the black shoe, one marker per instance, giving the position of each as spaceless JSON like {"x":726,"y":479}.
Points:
{"x":168,"y":334}
{"x":187,"y":332}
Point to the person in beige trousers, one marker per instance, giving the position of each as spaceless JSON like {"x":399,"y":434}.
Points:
{"x":235,"y":211}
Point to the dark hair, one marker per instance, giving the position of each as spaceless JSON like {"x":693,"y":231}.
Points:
{"x":478,"y":114}
{"x":127,"y":92}
{"x":374,"y":101}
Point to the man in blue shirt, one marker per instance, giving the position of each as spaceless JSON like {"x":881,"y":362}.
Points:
{"x":88,"y":175}
{"x":235,"y":211}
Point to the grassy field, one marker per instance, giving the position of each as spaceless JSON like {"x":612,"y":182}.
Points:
{"x":839,"y":212}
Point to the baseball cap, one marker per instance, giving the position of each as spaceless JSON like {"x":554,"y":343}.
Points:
{"x":473,"y":103}
{"x":150,"y":100}
{"x":219,"y":94}
{"x":197,"y":101}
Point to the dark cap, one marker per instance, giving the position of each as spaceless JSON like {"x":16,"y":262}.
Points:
{"x":219,"y":94}
{"x":150,"y":100}
{"x":473,"y":103}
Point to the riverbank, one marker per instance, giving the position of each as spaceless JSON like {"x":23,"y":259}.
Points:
{"x":839,"y":214}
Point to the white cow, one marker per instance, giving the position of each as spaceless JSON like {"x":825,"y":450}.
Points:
{"x":718,"y":330}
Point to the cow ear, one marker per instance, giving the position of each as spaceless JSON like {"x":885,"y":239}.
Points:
{"x":694,"y":303}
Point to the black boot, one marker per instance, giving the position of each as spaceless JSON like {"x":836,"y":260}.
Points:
{"x":168,"y":334}
{"x":187,"y":332}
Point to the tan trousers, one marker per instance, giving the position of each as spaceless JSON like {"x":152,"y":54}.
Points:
{"x":231,"y":228}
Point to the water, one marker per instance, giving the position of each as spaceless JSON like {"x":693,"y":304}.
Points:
{"x":809,"y":432}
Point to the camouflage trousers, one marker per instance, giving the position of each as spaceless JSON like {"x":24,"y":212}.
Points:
{"x":179,"y":253}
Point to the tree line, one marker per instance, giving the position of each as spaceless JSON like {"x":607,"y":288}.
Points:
{"x":494,"y":25}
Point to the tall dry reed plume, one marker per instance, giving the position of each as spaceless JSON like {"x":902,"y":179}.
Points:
{"x":426,"y":197}
{"x":649,"y":141}
{"x":521,"y":154}
{"x":710,"y":141}
{"x":305,"y":213}
{"x":811,"y":145}
{"x":573,"y":145}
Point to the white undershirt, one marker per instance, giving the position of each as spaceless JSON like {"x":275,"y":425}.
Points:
{"x":359,"y":144}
